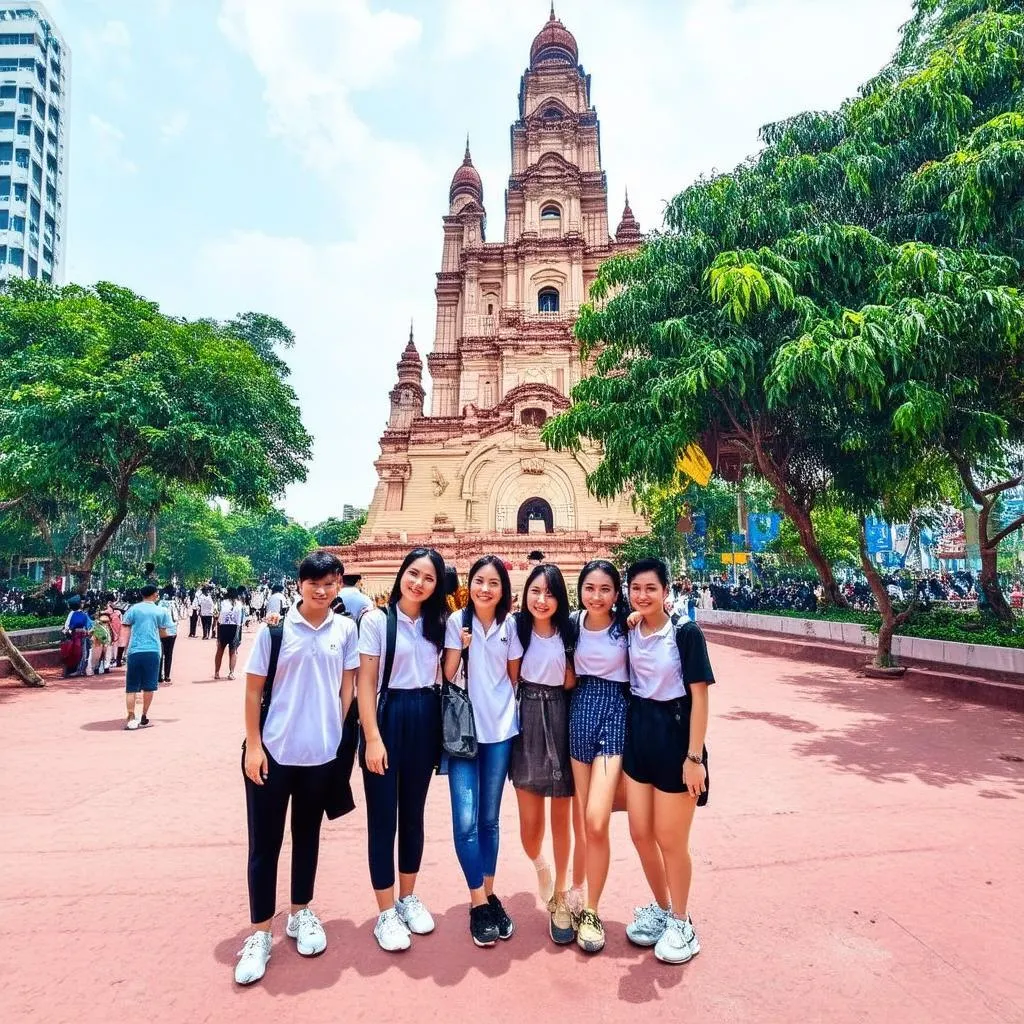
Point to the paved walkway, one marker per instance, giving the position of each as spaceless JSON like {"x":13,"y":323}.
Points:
{"x":860,"y":860}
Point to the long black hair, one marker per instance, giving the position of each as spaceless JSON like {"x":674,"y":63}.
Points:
{"x":620,"y":609}
{"x":505,"y":604}
{"x":556,"y":587}
{"x":434,"y":611}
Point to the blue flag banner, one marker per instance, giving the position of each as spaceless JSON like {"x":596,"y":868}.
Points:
{"x":700,"y":525}
{"x":762,"y":529}
{"x":879,"y":535}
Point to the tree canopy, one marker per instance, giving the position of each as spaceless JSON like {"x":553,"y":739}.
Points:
{"x":107,"y":405}
{"x":855,"y":284}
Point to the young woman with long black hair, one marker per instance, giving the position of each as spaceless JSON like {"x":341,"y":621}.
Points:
{"x":540,"y":767}
{"x":597,"y":726}
{"x":485,"y":630}
{"x":665,"y":760}
{"x":401,"y":738}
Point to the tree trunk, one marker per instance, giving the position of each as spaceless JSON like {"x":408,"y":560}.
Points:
{"x":989,"y":581}
{"x":883,"y":652}
{"x":28,"y":675}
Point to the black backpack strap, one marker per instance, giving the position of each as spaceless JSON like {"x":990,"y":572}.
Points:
{"x":390,"y":643}
{"x":573,"y":638}
{"x":276,"y":636}
{"x":467,"y":623}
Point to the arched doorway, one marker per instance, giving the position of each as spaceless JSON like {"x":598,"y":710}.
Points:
{"x":537,"y":510}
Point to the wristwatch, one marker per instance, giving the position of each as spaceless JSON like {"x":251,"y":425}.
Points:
{"x":695,"y":758}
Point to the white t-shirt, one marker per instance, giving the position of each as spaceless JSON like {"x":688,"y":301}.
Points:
{"x":490,"y":689}
{"x":275,"y":603}
{"x":600,"y":654}
{"x":230,"y":613}
{"x":544,"y":661}
{"x":259,"y":598}
{"x":655,"y":671}
{"x":416,"y":658}
{"x":205,"y":604}
{"x":303,"y":724}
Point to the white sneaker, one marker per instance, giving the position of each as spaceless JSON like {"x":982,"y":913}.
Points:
{"x":253,"y":957}
{"x":132,"y":723}
{"x":306,"y":929}
{"x":414,"y":915}
{"x":678,"y":942}
{"x":648,"y":925}
{"x":391,"y":933}
{"x":231,"y":675}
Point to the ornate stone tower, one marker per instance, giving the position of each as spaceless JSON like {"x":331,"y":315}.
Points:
{"x":473,"y":476}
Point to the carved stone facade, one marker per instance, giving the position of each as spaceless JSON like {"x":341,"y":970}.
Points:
{"x":473,"y":475}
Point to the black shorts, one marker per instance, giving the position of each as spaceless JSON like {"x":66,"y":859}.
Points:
{"x":657,"y":739}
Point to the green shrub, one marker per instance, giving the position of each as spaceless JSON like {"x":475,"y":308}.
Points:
{"x":12,"y":622}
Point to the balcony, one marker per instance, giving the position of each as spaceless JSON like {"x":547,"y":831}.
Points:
{"x":476,"y":326}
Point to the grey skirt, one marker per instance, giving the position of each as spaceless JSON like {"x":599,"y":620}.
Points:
{"x":540,"y":753}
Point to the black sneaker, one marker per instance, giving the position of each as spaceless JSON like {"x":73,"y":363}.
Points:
{"x":506,"y":926}
{"x":482,"y":925}
{"x":143,"y":721}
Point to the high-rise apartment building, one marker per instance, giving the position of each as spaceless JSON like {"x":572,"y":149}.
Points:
{"x":35,"y":72}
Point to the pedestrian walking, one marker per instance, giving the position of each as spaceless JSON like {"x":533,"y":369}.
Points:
{"x":399,"y":660}
{"x":146,"y":624}
{"x":206,"y":609}
{"x":293,"y":734}
{"x":193,"y":612}
{"x":170,"y":603}
{"x":229,"y":630}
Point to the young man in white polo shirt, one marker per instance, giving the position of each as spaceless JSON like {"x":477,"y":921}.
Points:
{"x":291,"y":745}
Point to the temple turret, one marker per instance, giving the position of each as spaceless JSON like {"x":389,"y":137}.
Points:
{"x":628,"y":231}
{"x":408,"y":394}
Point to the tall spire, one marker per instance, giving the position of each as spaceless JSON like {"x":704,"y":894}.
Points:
{"x":467,"y":159}
{"x":628,"y":231}
{"x":552,"y":18}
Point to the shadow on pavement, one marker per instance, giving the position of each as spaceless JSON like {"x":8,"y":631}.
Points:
{"x":772,"y":718}
{"x":117,"y":725}
{"x":897,"y":732}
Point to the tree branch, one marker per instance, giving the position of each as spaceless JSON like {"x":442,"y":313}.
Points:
{"x":1005,"y":532}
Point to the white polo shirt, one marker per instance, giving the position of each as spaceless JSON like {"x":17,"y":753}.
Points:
{"x":205,"y":604}
{"x":416,"y":658}
{"x":544,"y":661}
{"x":490,"y":689}
{"x":600,"y":654}
{"x":303,"y":724}
{"x":275,"y":603}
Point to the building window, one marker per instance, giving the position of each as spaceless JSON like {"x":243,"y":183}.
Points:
{"x":33,"y":268}
{"x":25,"y":96}
{"x":7,"y":152}
{"x":490,"y":309}
{"x":551,"y":212}
{"x":8,"y":91}
{"x":533,"y":417}
{"x":547,"y":301}
{"x":5,"y":220}
{"x":24,"y":126}
{"x":552,"y":114}
{"x":16,"y":257}
{"x":7,"y":121}
{"x":18,"y":225}
{"x":20,"y":192}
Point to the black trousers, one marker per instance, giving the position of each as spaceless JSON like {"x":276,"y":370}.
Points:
{"x":166,"y":653}
{"x":193,"y":620}
{"x":395,"y":800}
{"x":266,"y":807}
{"x":207,"y":623}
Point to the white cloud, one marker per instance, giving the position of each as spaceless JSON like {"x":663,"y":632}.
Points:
{"x":111,"y":42}
{"x":175,"y":125}
{"x":108,"y":142}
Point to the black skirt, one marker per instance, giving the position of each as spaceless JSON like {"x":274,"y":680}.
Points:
{"x":540,"y":753}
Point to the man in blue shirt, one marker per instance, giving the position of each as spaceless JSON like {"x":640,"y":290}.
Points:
{"x":147,"y":622}
{"x":356,"y":602}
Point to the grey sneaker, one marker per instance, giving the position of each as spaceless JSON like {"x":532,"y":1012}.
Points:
{"x":679,"y":941}
{"x":647,"y":926}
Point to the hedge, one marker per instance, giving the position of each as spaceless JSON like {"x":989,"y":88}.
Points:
{"x":12,"y":622}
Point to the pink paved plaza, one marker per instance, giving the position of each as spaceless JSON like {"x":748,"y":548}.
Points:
{"x":861,"y":859}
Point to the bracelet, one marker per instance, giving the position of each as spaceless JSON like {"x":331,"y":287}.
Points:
{"x":695,"y":758}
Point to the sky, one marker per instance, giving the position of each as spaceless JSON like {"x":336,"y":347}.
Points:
{"x":293,"y":156}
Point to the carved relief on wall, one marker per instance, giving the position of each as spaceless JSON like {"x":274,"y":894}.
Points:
{"x":439,"y":481}
{"x":533,"y":467}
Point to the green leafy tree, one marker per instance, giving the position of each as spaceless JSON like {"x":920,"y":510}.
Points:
{"x":106,"y":404}
{"x":334,"y":532}
{"x":837,"y":531}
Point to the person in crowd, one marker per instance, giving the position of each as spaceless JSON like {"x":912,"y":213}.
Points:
{"x":206,"y":610}
{"x":276,"y":603}
{"x":451,"y":588}
{"x":170,"y":602}
{"x":540,"y":768}
{"x":115,"y":655}
{"x":356,"y":602}
{"x":401,"y":734}
{"x":79,"y":624}
{"x":665,"y":760}
{"x":707,"y":602}
{"x":229,"y":628}
{"x":290,"y":753}
{"x":192,"y":603}
{"x":597,"y":727}
{"x":147,"y":623}
{"x":101,"y":637}
{"x":487,"y":635}
{"x":259,"y":602}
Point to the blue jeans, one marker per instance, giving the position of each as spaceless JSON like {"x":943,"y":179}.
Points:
{"x":476,"y":787}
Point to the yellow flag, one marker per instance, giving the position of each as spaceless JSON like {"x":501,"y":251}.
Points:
{"x":694,"y":463}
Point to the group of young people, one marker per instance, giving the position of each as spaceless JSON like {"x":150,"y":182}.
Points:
{"x":573,"y":706}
